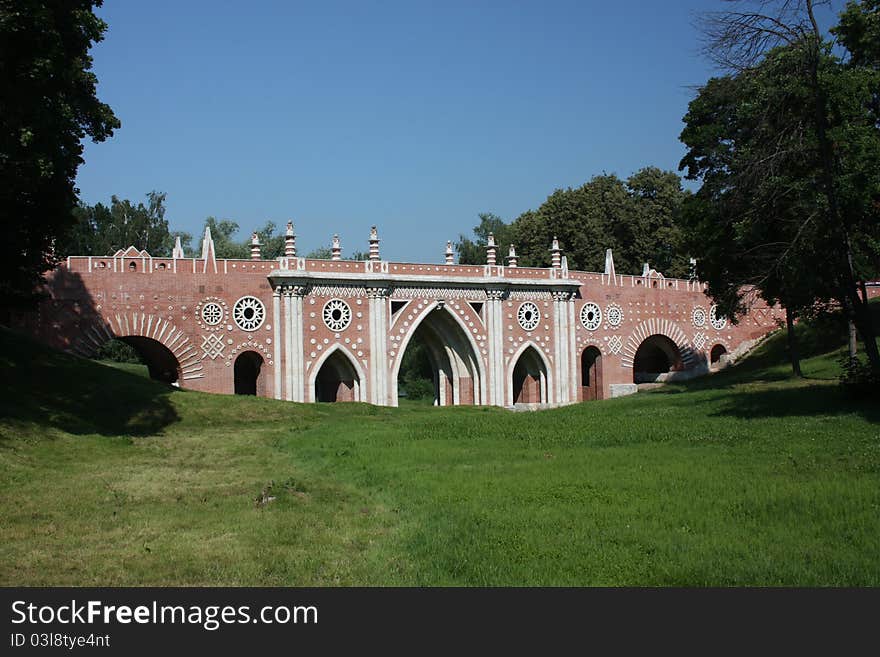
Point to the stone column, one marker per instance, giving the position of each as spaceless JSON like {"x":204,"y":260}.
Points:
{"x":276,"y":338}
{"x":296,"y":382}
{"x":561,"y":351}
{"x":495,"y":333}
{"x":288,"y":343}
{"x":574,"y":357}
{"x":378,"y":372}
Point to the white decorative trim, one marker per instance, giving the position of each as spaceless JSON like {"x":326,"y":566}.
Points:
{"x":438,"y":293}
{"x":718,"y":323}
{"x":530,"y":295}
{"x":336,"y":315}
{"x":613,"y":315}
{"x":528,"y":316}
{"x":338,"y":291}
{"x":698,"y":316}
{"x":591,"y":316}
{"x":657,"y":326}
{"x":249,"y":321}
{"x":213,"y":345}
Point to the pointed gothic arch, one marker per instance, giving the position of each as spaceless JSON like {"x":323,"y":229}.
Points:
{"x":337,"y":376}
{"x":528,"y":380}
{"x":459,"y":375}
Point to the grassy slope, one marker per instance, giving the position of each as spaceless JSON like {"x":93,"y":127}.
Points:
{"x":747,"y":477}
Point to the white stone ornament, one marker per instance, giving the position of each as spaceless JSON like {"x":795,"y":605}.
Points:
{"x":249,"y":313}
{"x":699,"y":317}
{"x":336,"y":315}
{"x":613,"y":315}
{"x":528,"y":316}
{"x":718,"y":323}
{"x":591,"y":316}
{"x":212,"y":314}
{"x":615,"y":344}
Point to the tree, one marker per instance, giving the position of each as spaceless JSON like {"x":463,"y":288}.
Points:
{"x":787,"y":149}
{"x":48,"y":104}
{"x":473,"y":252}
{"x":100,"y":230}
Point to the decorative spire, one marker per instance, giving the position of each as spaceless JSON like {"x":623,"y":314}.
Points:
{"x":374,"y":244}
{"x":609,"y":264}
{"x":336,"y":249}
{"x":255,"y":247}
{"x":289,"y":242}
{"x":177,"y":253}
{"x":511,"y":257}
{"x":208,"y":253}
{"x":646,"y":269}
{"x":490,"y":250}
{"x":450,"y":256}
{"x":555,"y":254}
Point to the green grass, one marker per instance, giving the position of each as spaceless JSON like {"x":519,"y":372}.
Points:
{"x":744,"y":478}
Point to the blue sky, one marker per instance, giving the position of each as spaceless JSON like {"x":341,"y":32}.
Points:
{"x":413,"y":116}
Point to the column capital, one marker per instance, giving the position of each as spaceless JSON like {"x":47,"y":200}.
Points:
{"x":294,"y":290}
{"x":378,"y":292}
{"x":495,"y":295}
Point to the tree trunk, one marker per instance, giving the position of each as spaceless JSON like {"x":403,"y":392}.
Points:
{"x":860,"y":314}
{"x":793,"y":352}
{"x":852,"y":339}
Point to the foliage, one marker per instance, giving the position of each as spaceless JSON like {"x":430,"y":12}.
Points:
{"x":637,"y":218}
{"x":118,"y":351}
{"x":473,"y":252}
{"x":416,"y":375}
{"x":48,"y":104}
{"x":787,"y":149}
{"x":225,"y":246}
{"x":102,"y":231}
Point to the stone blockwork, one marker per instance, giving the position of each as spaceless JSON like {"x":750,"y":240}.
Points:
{"x":331,"y":330}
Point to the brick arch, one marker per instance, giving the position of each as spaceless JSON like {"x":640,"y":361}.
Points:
{"x":465,"y":329}
{"x":356,"y":366}
{"x":511,"y":365}
{"x":140,"y":325}
{"x":655,"y":326}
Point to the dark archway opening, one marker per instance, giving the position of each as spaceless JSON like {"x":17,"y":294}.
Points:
{"x":529,"y":378}
{"x":247,"y":373}
{"x":337,"y":380}
{"x":439,"y":363}
{"x":717,"y":352}
{"x":655,"y":356}
{"x":591,"y":374}
{"x":136,"y":351}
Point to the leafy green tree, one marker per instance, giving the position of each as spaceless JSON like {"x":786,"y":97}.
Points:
{"x":473,"y":252}
{"x":100,"y":230}
{"x":788,"y":152}
{"x":48,"y":104}
{"x":223,"y":234}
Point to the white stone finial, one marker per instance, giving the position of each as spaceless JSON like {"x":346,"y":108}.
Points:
{"x":177,"y":253}
{"x":336,"y":248}
{"x":450,"y":256}
{"x":255,"y":247}
{"x":511,"y":257}
{"x":374,"y":244}
{"x":555,"y":253}
{"x":289,"y":242}
{"x":490,"y":250}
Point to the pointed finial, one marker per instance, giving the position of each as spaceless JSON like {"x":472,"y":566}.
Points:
{"x":289,"y":242}
{"x":555,"y":253}
{"x":336,"y":249}
{"x":450,"y":256}
{"x":374,"y":244}
{"x":511,"y":257}
{"x":255,"y":247}
{"x":177,"y":253}
{"x":490,"y":250}
{"x":609,"y":264}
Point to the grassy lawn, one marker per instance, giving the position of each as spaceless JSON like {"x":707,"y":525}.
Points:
{"x":744,"y":478}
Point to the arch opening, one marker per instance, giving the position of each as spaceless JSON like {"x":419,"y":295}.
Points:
{"x":529,"y":378}
{"x":161,"y":364}
{"x":591,"y":374}
{"x":337,"y":380}
{"x":247,"y":370}
{"x":439,"y":363}
{"x":656,"y":355}
{"x":718,"y":354}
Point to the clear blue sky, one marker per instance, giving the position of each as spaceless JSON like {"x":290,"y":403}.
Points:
{"x":413,"y":116}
